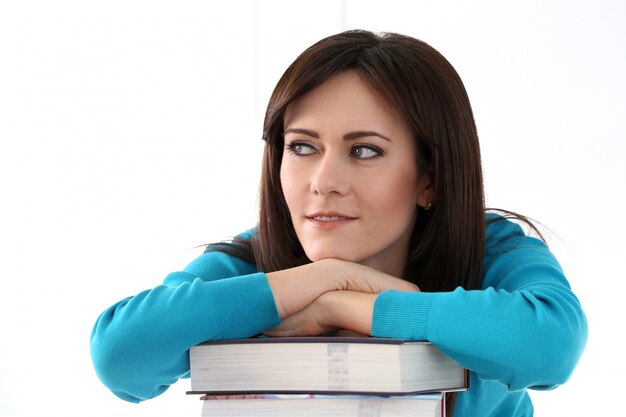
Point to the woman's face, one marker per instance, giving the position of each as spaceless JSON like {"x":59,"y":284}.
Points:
{"x":349,"y":176}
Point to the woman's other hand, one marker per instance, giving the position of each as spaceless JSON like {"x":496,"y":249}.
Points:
{"x":295,"y":288}
{"x":334,"y":310}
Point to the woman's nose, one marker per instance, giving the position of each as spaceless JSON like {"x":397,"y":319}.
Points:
{"x":330,"y":176}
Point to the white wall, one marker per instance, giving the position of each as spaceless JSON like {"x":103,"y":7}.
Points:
{"x":130,"y":132}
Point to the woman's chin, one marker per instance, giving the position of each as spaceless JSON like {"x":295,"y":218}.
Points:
{"x":341,"y":255}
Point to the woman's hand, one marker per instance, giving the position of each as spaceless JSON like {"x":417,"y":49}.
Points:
{"x":360,"y":278}
{"x":312,"y":320}
{"x":295,"y":288}
{"x":334,"y":310}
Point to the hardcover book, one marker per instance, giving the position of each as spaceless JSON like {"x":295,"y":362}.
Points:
{"x":323,"y":365}
{"x":315,"y":405}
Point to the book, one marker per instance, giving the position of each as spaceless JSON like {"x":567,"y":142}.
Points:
{"x":323,"y":365}
{"x":316,"y":405}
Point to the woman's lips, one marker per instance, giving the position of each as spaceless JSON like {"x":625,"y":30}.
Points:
{"x":329,"y":221}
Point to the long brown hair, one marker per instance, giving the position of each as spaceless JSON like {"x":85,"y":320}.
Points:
{"x":426,"y":93}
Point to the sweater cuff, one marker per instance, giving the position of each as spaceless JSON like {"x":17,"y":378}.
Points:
{"x":402,"y":315}
{"x":244,"y":307}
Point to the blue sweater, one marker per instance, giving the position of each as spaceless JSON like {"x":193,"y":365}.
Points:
{"x":524,"y":328}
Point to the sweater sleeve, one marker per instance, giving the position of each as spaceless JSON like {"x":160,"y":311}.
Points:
{"x":524,"y":329}
{"x":140,"y":345}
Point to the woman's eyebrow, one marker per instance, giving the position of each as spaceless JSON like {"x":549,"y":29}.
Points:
{"x":307,"y":132}
{"x":364,"y":133}
{"x":348,"y":136}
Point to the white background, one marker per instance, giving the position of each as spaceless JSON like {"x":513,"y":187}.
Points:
{"x":130,"y":132}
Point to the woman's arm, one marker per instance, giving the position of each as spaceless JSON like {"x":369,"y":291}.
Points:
{"x":527,"y":338}
{"x":140,"y":345}
{"x":525,"y":329}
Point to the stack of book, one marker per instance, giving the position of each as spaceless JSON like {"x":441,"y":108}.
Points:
{"x":323,"y":376}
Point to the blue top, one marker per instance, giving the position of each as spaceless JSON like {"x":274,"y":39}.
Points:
{"x":524,"y":328}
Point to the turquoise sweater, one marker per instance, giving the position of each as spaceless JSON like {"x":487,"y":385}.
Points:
{"x":524,"y":328}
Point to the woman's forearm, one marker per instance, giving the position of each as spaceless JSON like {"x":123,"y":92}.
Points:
{"x":527,"y":338}
{"x":140,"y":345}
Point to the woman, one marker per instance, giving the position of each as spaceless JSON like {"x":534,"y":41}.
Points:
{"x":372,"y":220}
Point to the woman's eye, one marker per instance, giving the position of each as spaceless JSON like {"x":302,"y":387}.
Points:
{"x":365,"y":152}
{"x":300,"y":149}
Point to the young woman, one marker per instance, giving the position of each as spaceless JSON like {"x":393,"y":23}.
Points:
{"x":372,"y":220}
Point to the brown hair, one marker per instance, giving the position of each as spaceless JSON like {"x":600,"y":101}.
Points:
{"x":423,"y":89}
{"x":426,"y":93}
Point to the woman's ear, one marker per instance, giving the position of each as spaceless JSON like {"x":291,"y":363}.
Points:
{"x":425,"y":191}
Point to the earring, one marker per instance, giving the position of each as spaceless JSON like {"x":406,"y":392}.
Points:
{"x":430,"y":203}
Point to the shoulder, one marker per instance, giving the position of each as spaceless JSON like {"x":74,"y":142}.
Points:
{"x":513,"y":258}
{"x":216,"y":263}
{"x":503,"y":235}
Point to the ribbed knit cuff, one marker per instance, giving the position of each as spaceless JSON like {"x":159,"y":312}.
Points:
{"x":245,"y":305}
{"x":402,"y":315}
